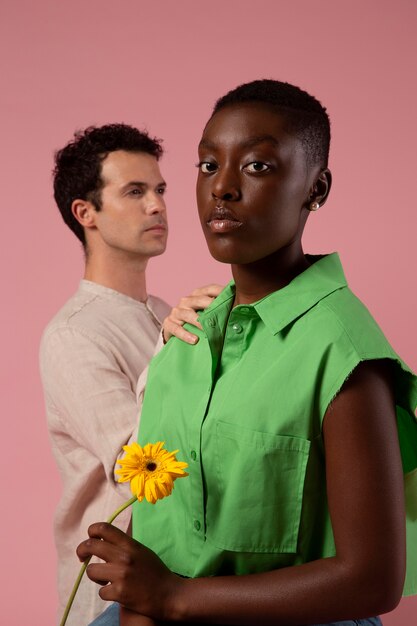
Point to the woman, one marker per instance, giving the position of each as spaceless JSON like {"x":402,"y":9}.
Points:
{"x":286,"y":409}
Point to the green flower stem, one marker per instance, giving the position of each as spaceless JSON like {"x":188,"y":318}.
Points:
{"x":84,"y":565}
{"x":120,"y":509}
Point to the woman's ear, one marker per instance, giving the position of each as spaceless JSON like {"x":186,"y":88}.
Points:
{"x":320,"y":189}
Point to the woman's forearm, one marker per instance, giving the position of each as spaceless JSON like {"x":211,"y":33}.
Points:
{"x":317,"y":592}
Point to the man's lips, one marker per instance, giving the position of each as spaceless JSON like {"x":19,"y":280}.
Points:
{"x":157,"y":227}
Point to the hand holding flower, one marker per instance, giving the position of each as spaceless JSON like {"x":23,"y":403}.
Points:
{"x":131,"y":573}
{"x":151,"y":471}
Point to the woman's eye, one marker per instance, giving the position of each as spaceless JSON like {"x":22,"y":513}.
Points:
{"x":206,"y":167}
{"x":256,"y":166}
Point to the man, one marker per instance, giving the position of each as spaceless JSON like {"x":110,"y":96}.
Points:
{"x":110,"y":192}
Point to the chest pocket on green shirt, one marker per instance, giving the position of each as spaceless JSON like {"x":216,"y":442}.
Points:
{"x":257,"y":493}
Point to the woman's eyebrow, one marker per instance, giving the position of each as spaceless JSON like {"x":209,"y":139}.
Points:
{"x":247,"y":143}
{"x":253,"y":141}
{"x":206,"y":143}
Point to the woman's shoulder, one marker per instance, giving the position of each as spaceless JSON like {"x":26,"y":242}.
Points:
{"x":343,"y":309}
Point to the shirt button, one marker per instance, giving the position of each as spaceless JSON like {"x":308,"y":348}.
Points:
{"x":237,"y":328}
{"x":193,"y":455}
{"x":197,"y":524}
{"x":211,"y":322}
{"x":244,"y":309}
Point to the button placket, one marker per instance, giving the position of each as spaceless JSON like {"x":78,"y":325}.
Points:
{"x":235,"y":340}
{"x":197,"y":508}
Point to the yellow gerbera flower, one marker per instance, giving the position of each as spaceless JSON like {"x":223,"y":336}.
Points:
{"x":151,"y":470}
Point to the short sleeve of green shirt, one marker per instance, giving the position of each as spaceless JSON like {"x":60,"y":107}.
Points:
{"x":245,"y":407}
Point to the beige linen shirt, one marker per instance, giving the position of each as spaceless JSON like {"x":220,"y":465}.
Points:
{"x":92,"y":354}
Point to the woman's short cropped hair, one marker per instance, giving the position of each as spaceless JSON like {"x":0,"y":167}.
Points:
{"x":306,"y":117}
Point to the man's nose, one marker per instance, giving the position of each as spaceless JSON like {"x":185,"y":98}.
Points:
{"x":155,"y":203}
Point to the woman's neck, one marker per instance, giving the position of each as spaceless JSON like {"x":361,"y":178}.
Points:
{"x":256,"y":280}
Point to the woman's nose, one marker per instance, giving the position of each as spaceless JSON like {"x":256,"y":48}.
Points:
{"x":226,"y":186}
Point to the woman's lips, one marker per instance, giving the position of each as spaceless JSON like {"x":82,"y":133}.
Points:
{"x":222,"y":220}
{"x":220,"y":225}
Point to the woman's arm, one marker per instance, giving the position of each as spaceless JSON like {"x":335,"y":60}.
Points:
{"x":365,"y":494}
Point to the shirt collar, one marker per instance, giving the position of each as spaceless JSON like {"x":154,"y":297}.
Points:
{"x":97,"y":289}
{"x":282,"y":307}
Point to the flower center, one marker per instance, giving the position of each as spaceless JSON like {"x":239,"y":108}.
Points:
{"x":151,"y":466}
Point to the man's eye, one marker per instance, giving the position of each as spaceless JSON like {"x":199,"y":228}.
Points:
{"x":206,"y":167}
{"x":135,"y":192}
{"x":256,"y":166}
{"x":161,"y":191}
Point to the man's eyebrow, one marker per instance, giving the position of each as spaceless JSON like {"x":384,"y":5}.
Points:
{"x":141,"y":183}
{"x":249,"y":143}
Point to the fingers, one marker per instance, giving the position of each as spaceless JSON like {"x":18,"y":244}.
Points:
{"x":96,"y":547}
{"x":101,"y":573}
{"x":212,"y":290}
{"x":112,"y":534}
{"x":181,"y":315}
{"x":105,"y":540}
{"x":174,"y":329}
{"x":196,"y":302}
{"x":173,"y":324}
{"x":187,"y":312}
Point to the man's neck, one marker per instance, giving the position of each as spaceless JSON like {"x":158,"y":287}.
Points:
{"x":126,"y":276}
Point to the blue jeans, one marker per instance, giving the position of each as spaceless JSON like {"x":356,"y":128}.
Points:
{"x":110,"y":617}
{"x":371,"y":621}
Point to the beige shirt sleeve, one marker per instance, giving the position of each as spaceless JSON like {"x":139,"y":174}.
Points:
{"x":140,"y":392}
{"x":91,"y":398}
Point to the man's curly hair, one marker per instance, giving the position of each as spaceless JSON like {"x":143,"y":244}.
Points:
{"x":77,"y":172}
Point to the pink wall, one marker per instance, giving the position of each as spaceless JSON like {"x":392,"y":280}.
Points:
{"x":161,"y":65}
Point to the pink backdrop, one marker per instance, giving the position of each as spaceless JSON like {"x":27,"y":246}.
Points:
{"x":161,"y":65}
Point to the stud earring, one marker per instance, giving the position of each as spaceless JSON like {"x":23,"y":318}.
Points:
{"x":314,"y":206}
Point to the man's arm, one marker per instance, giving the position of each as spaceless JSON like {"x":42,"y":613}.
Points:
{"x":89,"y":397}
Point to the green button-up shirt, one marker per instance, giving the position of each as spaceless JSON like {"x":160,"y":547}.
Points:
{"x":245,"y":408}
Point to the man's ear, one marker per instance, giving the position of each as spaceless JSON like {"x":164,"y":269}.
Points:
{"x":321,"y":188}
{"x":84,"y":212}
